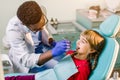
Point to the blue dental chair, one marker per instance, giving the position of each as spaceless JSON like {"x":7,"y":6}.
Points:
{"x":109,"y":29}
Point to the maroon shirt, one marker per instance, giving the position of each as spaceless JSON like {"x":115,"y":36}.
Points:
{"x":25,"y":77}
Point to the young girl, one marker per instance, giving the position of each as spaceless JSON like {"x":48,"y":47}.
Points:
{"x":88,"y":48}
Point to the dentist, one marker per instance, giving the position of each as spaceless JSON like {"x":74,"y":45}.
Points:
{"x":31,"y":47}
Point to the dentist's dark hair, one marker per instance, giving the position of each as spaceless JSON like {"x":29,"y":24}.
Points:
{"x":29,"y":13}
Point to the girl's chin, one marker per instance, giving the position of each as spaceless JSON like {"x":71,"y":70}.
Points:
{"x":78,"y":50}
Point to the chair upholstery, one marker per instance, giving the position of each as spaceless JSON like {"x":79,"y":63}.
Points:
{"x":107,"y":59}
{"x":110,"y":27}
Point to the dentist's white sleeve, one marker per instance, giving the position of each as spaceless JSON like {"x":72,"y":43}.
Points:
{"x":21,"y":52}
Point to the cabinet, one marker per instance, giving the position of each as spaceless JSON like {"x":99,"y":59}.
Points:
{"x":83,"y":19}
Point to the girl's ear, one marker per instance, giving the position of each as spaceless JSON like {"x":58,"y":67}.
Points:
{"x":92,"y":51}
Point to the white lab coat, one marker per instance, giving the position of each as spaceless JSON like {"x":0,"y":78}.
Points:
{"x":22,"y":44}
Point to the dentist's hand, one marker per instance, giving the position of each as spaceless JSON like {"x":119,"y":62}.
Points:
{"x":52,"y":42}
{"x":61,"y":47}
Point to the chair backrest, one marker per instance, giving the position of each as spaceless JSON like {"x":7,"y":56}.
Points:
{"x":107,"y":59}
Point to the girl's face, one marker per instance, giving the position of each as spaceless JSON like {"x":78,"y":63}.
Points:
{"x":83,"y":47}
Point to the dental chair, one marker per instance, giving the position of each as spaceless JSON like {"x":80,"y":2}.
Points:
{"x":109,"y":29}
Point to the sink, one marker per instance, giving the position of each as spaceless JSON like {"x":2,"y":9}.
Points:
{"x":66,"y":30}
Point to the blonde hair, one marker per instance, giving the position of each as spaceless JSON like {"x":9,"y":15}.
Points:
{"x":96,"y":42}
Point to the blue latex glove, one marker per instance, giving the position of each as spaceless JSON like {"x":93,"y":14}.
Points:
{"x":53,"y":44}
{"x":60,"y":48}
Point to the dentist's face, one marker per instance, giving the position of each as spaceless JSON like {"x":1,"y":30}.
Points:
{"x":39,"y":26}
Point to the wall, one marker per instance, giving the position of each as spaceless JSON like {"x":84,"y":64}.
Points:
{"x":65,"y":9}
{"x":7,"y":10}
{"x":61,"y":9}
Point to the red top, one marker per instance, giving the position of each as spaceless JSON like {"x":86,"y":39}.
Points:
{"x":83,"y":68}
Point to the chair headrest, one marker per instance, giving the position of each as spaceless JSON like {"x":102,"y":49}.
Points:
{"x":111,"y":26}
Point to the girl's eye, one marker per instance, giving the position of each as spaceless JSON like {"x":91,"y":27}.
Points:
{"x":83,"y":41}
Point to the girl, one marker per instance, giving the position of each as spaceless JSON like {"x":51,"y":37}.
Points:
{"x":88,"y":48}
